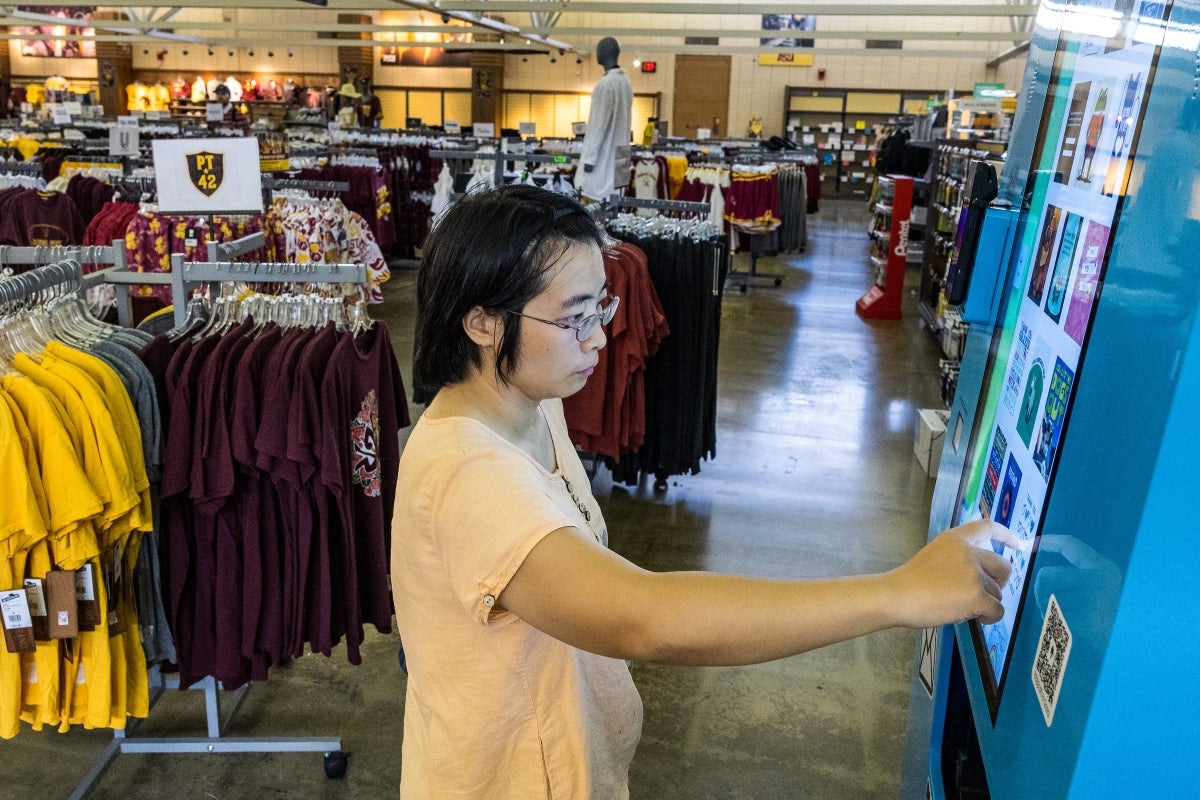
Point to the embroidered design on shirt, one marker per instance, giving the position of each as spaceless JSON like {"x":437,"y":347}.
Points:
{"x":364,"y":466}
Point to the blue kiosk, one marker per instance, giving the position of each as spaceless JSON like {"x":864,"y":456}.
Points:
{"x":1076,"y":423}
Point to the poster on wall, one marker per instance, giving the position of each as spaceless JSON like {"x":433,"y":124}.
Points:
{"x":45,"y":40}
{"x":783,"y":30}
{"x":422,"y":49}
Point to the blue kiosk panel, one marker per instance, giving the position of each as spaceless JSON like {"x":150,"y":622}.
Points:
{"x":1074,"y":415}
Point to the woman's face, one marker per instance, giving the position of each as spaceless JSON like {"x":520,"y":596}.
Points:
{"x":552,"y":362}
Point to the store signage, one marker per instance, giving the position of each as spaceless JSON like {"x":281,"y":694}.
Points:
{"x":60,"y":116}
{"x":986,"y":90}
{"x":123,"y":140}
{"x":214,"y":112}
{"x":578,"y":128}
{"x":483,"y":130}
{"x":452,"y":126}
{"x":527,"y":128}
{"x":208,"y":176}
{"x":127,"y":122}
{"x":649,"y":66}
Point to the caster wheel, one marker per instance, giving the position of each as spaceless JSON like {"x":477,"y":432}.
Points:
{"x":335,"y":764}
{"x":743,"y":288}
{"x":661,"y":485}
{"x":779,"y":281}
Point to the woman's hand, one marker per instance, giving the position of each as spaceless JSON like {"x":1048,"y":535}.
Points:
{"x":955,"y":577}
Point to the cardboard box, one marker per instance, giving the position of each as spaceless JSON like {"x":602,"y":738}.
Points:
{"x":929,"y":438}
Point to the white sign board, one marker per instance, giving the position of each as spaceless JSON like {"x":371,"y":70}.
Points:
{"x":214,"y":112}
{"x":452,"y":126}
{"x":123,"y":141}
{"x":527,"y":128}
{"x":208,"y":176}
{"x":483,"y":130}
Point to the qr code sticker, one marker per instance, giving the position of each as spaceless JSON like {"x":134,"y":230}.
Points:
{"x":1050,"y":662}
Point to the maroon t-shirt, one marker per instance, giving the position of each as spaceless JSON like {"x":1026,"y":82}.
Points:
{"x":257,"y":507}
{"x":33,"y":218}
{"x":363,"y":406}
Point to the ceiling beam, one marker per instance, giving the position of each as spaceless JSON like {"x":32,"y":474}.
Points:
{"x":636,"y":7}
{"x":132,"y":26}
{"x":753,"y":9}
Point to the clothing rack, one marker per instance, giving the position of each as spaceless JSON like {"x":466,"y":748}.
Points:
{"x":681,"y":206}
{"x":271,"y":184}
{"x":21,"y":167}
{"x":500,"y":158}
{"x":28,"y":285}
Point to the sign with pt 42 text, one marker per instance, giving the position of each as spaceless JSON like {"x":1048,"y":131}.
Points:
{"x":208,"y":176}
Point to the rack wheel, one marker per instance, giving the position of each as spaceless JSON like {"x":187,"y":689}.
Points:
{"x":335,"y":764}
{"x":779,"y":281}
{"x":743,"y":288}
{"x":660,"y":485}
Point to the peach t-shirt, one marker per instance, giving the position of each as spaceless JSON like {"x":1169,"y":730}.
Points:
{"x":495,"y":708}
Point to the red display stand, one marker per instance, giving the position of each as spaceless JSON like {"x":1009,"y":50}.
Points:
{"x":889,"y":249}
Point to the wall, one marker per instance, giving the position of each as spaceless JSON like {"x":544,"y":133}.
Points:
{"x":757,"y":90}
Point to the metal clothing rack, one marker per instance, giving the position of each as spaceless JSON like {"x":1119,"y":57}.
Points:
{"x":500,"y":158}
{"x":681,"y":206}
{"x":184,"y":276}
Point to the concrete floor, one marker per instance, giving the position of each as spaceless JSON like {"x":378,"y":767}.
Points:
{"x":814,"y":476}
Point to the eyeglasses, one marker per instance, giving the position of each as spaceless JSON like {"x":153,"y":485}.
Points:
{"x":586,"y":327}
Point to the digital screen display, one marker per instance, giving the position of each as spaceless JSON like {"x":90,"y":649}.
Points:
{"x":1088,"y":138}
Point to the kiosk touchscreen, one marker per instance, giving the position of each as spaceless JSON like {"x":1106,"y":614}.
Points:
{"x":1039,"y":349}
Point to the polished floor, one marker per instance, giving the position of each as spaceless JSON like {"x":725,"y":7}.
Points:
{"x":814,"y":476}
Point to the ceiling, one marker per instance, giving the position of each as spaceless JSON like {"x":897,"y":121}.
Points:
{"x":984,"y":29}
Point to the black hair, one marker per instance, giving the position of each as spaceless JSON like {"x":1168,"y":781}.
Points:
{"x":492,"y":249}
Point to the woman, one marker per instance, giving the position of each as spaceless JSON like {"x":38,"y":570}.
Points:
{"x":515,"y":618}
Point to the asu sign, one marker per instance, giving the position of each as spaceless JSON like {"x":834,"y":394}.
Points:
{"x":208,"y":176}
{"x":207,"y":171}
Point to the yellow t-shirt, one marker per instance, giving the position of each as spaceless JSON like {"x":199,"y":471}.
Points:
{"x":102,"y":453}
{"x":124,"y":418}
{"x":33,"y":470}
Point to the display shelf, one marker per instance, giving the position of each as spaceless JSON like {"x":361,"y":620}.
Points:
{"x":845,"y":126}
{"x":889,"y":249}
{"x":950,"y":160}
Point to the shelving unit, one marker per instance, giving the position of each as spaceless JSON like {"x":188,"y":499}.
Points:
{"x":950,"y":159}
{"x":844,"y":126}
{"x":889,"y":231}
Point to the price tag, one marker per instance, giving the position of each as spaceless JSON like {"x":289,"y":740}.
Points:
{"x":60,"y":116}
{"x":527,"y":128}
{"x":213,"y":112}
{"x":73,"y":107}
{"x":128,"y":122}
{"x":334,"y":126}
{"x":452,"y":126}
{"x":703,"y":133}
{"x":18,"y":622}
{"x":123,"y":141}
{"x":483,"y":130}
{"x":158,"y":115}
{"x":578,"y":128}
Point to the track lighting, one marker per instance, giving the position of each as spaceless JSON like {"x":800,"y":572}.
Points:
{"x":445,"y":18}
{"x":251,"y":53}
{"x":231,"y":52}
{"x":270,"y":54}
{"x":289,"y":54}
{"x":185,"y":52}
{"x":578,"y":59}
{"x":210,"y":51}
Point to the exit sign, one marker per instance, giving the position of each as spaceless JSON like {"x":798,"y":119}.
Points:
{"x":649,"y":66}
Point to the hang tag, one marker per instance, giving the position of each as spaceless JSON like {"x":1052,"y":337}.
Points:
{"x":18,"y":622}
{"x":35,"y":593}
{"x":115,"y":584}
{"x":62,"y":609}
{"x":85,"y":597}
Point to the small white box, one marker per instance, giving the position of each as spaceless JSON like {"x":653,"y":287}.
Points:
{"x":929,"y":438}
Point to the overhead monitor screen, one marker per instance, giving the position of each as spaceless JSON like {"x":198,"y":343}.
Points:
{"x":1086,"y":150}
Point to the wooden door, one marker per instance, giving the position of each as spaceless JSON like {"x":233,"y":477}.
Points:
{"x":701,"y":95}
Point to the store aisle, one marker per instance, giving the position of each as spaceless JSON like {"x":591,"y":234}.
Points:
{"x":814,"y":476}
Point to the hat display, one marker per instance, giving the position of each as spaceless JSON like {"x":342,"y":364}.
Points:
{"x":348,"y":90}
